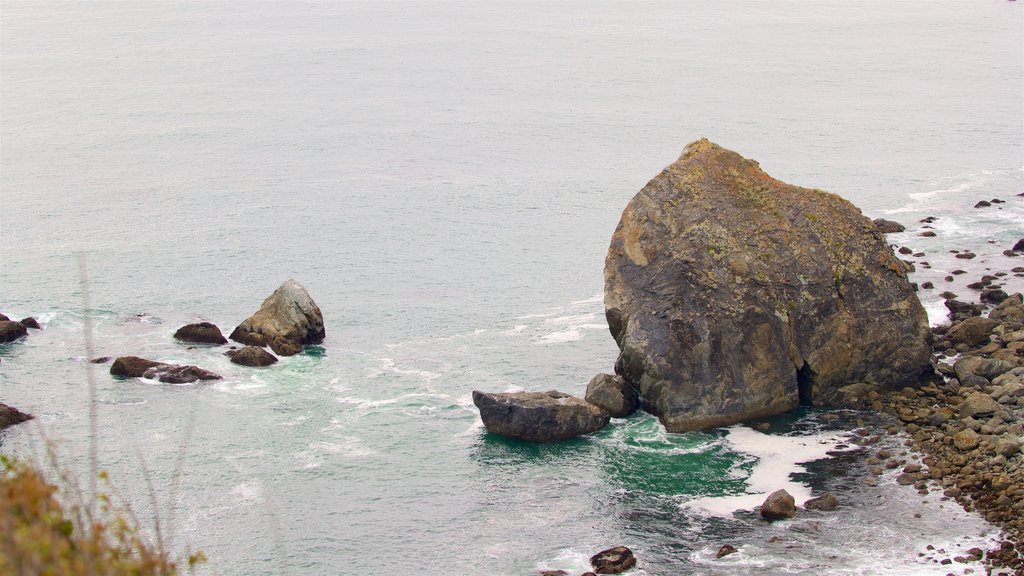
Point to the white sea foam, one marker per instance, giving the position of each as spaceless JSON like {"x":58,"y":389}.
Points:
{"x":571,"y":334}
{"x":778,"y":458}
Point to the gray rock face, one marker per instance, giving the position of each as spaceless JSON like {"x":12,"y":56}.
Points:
{"x":287,"y":320}
{"x":9,"y":416}
{"x":11,"y":331}
{"x":538,"y":416}
{"x":613,"y":395}
{"x":734,"y":296}
{"x":778,"y":506}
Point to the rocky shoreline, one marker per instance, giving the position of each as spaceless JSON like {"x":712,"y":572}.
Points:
{"x":968,"y":424}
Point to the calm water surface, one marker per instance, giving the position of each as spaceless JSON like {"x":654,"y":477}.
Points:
{"x":444,"y":178}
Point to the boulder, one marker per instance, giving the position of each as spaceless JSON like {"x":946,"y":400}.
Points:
{"x":9,"y":416}
{"x":966,"y":439}
{"x":132,"y":366}
{"x":987,"y":368}
{"x":725,"y":550}
{"x":960,"y":310}
{"x":287,"y":320}
{"x":825,"y":502}
{"x":972,"y":331}
{"x":174,"y":374}
{"x":11,"y":331}
{"x":612,"y":394}
{"x":200,"y":333}
{"x":1019,"y":246}
{"x":538,"y":416}
{"x":733,"y":296}
{"x":3,"y":317}
{"x":30,"y":322}
{"x":613,"y":560}
{"x":779,"y":505}
{"x":888,"y":226}
{"x":1009,"y":310}
{"x":978,"y":403}
{"x":252,"y":356}
{"x":135,"y":367}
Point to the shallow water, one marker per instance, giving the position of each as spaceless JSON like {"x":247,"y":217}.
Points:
{"x":443,"y":178}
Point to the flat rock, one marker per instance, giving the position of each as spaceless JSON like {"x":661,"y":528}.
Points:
{"x":733,"y":296}
{"x":538,"y":416}
{"x":200,"y":333}
{"x":612,"y":394}
{"x":286,"y":321}
{"x":174,"y":374}
{"x":133,"y":366}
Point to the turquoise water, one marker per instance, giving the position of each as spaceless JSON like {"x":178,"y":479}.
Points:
{"x":444,"y":178}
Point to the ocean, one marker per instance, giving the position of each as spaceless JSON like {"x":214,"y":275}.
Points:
{"x":444,"y":178}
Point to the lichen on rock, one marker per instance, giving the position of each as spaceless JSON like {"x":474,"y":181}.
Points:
{"x":734,"y":296}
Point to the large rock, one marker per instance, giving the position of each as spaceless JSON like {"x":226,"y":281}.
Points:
{"x":779,"y":505}
{"x":888,"y":226}
{"x":252,"y":356}
{"x":987,"y":368}
{"x":971,"y":331}
{"x":9,"y":416}
{"x":135,"y":367}
{"x":734,"y":296}
{"x":200,"y":333}
{"x":287,"y":320}
{"x":612,"y":394}
{"x":11,"y":331}
{"x":538,"y":416}
{"x":614,"y":560}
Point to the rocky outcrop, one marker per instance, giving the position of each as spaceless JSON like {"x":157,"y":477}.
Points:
{"x":613,"y":395}
{"x":613,"y":560}
{"x":252,"y":356}
{"x":734,"y":296}
{"x":779,"y":505}
{"x":11,"y":331}
{"x":538,"y":416}
{"x":888,"y":226}
{"x":9,"y":416}
{"x":135,"y":367}
{"x":287,"y":320}
{"x":200,"y":333}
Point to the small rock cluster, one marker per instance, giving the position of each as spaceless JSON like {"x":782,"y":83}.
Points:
{"x":969,"y":425}
{"x":11,"y":330}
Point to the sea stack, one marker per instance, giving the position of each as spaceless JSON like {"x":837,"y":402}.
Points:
{"x":734,"y":296}
{"x":287,"y":320}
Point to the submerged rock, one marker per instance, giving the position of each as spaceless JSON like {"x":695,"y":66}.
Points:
{"x":734,"y":296}
{"x":11,"y":331}
{"x":613,"y":560}
{"x":287,"y":320}
{"x":200,"y":333}
{"x":612,"y":394}
{"x":252,"y":356}
{"x":9,"y":416}
{"x":725,"y":550}
{"x":538,"y":416}
{"x":825,"y":502}
{"x":779,"y":505}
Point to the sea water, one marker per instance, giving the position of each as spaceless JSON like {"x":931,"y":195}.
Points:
{"x":444,"y":178}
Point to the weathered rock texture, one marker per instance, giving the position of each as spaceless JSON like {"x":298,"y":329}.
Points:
{"x":734,"y":296}
{"x":135,"y":367}
{"x":612,"y":394}
{"x":779,"y":505}
{"x":287,"y":320}
{"x":538,"y":416}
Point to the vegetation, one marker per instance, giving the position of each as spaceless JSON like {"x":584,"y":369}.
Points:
{"x":52,"y":531}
